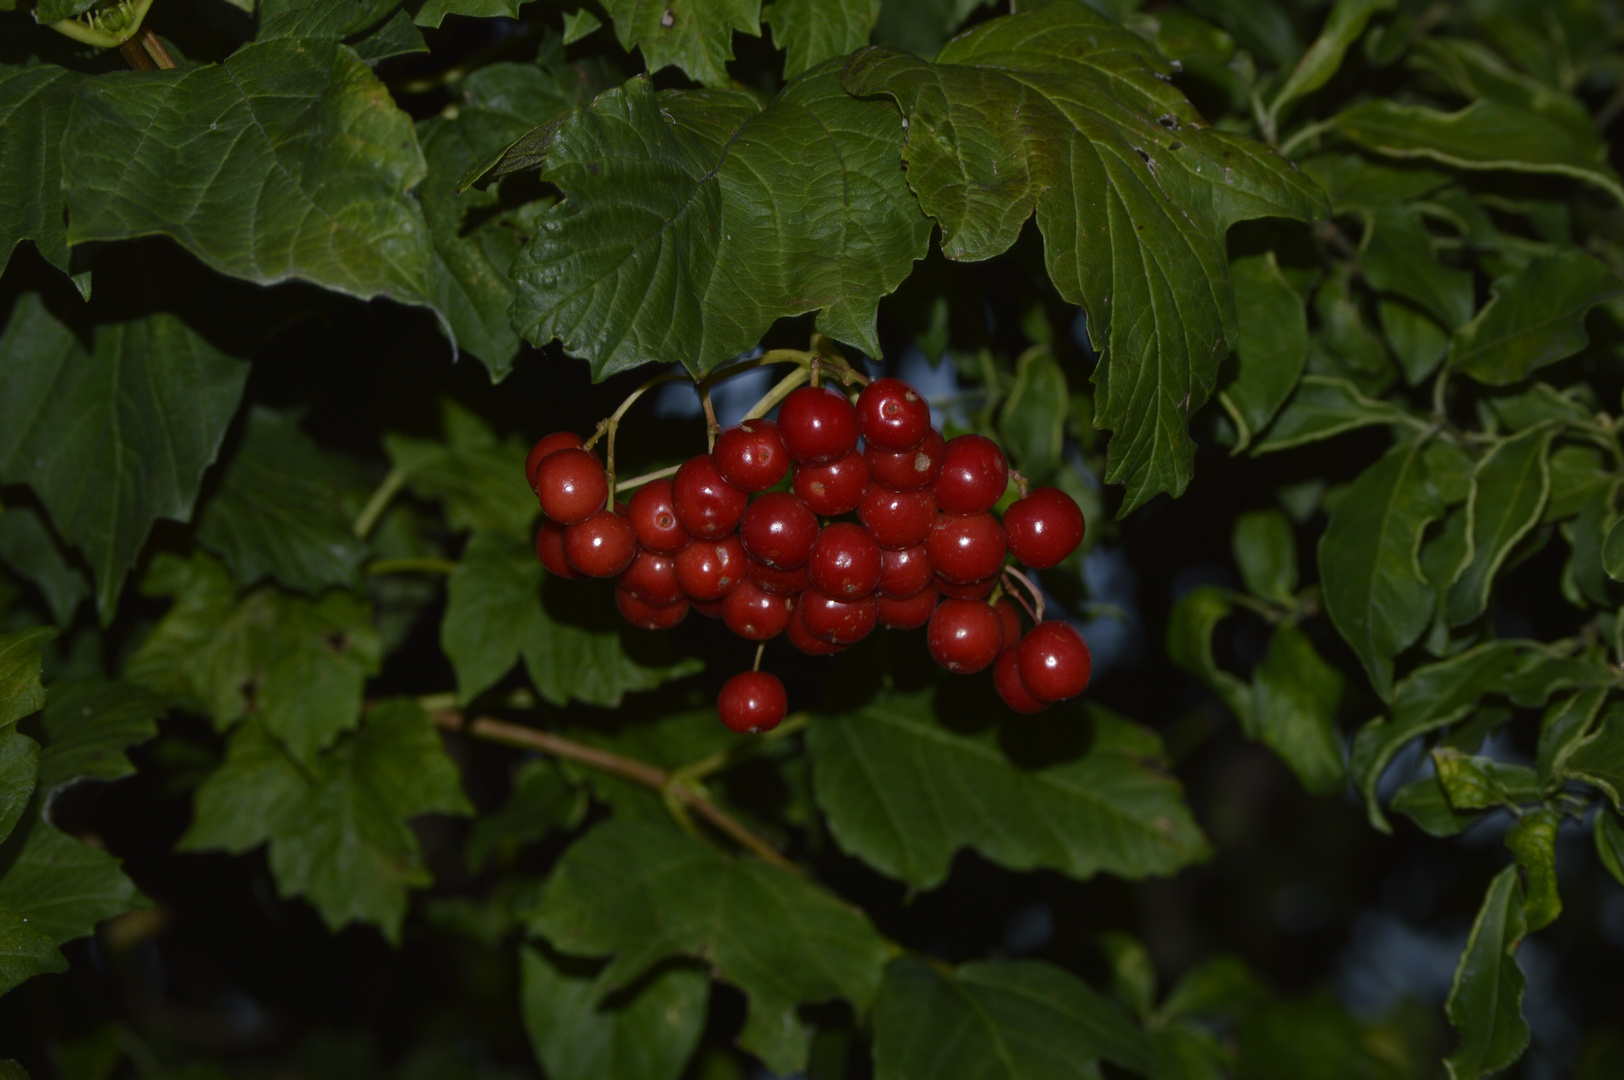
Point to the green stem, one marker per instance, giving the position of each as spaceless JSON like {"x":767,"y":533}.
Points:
{"x":423,"y":565}
{"x":639,"y":481}
{"x":696,"y":771}
{"x":373,"y":510}
{"x":1303,"y":134}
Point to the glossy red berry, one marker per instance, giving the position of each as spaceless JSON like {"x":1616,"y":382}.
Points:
{"x":558,"y":440}
{"x":707,"y":506}
{"x":834,"y":488}
{"x":968,"y":590}
{"x":751,"y":613}
{"x":818,"y":425}
{"x":1044,"y":527}
{"x":751,"y":456}
{"x":1006,"y":678}
{"x":966,"y":548}
{"x":778,"y":530}
{"x":845,"y":562}
{"x":572,"y":485}
{"x":891,"y":415}
{"x":909,"y":613}
{"x":1009,"y":616}
{"x":652,"y":578}
{"x":1054,"y":661}
{"x":839,"y":621}
{"x":649,"y":616}
{"x":601,"y":546}
{"x":905,"y":572}
{"x":550,"y":549}
{"x":897,"y":519}
{"x":777,"y":582}
{"x":655,"y":518}
{"x":974,"y":475}
{"x":711,"y":609}
{"x":708,"y":570}
{"x":752,"y":702}
{"x":905,"y":470}
{"x":806,"y":641}
{"x":964,"y":635}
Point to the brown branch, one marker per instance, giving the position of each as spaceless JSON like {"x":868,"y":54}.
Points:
{"x":136,"y":57}
{"x":155,"y":49}
{"x":639,"y":772}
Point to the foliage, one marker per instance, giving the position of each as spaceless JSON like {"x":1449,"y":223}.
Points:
{"x":1319,"y":316}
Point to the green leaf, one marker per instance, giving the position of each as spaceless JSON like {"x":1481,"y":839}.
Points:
{"x":578,"y":24}
{"x":1425,"y":802}
{"x":1324,"y":407}
{"x":1060,"y":112}
{"x":904,"y":793}
{"x":1189,"y":645}
{"x":20,"y":689}
{"x":1598,"y":758}
{"x":1260,"y":26}
{"x":1271,"y":345}
{"x":1342,"y":28}
{"x":1431,"y":697}
{"x":1532,"y":839}
{"x":1470,"y":782}
{"x":1221,"y":986}
{"x":1418,"y":343}
{"x":114,"y":437}
{"x":501,"y":605}
{"x":279,"y":512}
{"x":1374,"y":589}
{"x":1612,"y":553}
{"x":62,"y":887}
{"x":1265,"y":550}
{"x":19,"y":762}
{"x":1509,"y":488}
{"x":1564,"y":726}
{"x":694,"y":35}
{"x":1133,"y":972}
{"x":25,"y":951}
{"x":395,"y":36}
{"x":34,"y":105}
{"x":29,"y":550}
{"x":1296,"y":698}
{"x":921,"y":26}
{"x":479,"y":481}
{"x":1307,"y":1039}
{"x":337,"y":828}
{"x":1609,"y":838}
{"x":1032,"y":421}
{"x":433,"y":12}
{"x":999,"y":1020}
{"x":644,"y":892}
{"x":660,"y":251}
{"x":812,"y":31}
{"x":646,"y":1033}
{"x":1400,"y":256}
{"x":1535,"y":317}
{"x":1484,"y":135}
{"x":298,"y":665}
{"x":1576,"y":474}
{"x":287,"y":160}
{"x":1485,"y":1003}
{"x":89,"y":724}
{"x":541,"y":801}
{"x":1597,"y":516}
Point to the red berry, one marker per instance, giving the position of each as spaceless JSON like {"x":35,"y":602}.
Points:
{"x":909,"y":613}
{"x":752,"y":702}
{"x":817,"y":425}
{"x":751,"y":456}
{"x":572,"y":485}
{"x":558,"y":440}
{"x":707,"y":506}
{"x":1006,"y":678}
{"x":1010,"y":617}
{"x":845,"y":562}
{"x":964,"y":635}
{"x":839,"y":621}
{"x":775,"y":582}
{"x":966,"y":548}
{"x":1055,"y":662}
{"x":550,"y":549}
{"x":1044,"y":527}
{"x":751,"y":613}
{"x":806,"y":641}
{"x":971,"y":590}
{"x":905,"y":572}
{"x":905,"y":470}
{"x":974,"y":475}
{"x":708,"y":570}
{"x":711,"y":609}
{"x":897,"y":519}
{"x":891,"y":415}
{"x":778,"y":530}
{"x":655,"y":519}
{"x":649,"y":616}
{"x":601,"y":546}
{"x":652,"y":578}
{"x":834,"y":488}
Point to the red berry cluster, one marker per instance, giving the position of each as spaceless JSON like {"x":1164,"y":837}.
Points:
{"x":924,"y":546}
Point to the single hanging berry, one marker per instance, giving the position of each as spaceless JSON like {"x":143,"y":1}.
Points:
{"x":572,"y":485}
{"x":558,"y":440}
{"x":1054,"y":661}
{"x":965,"y":635}
{"x":752,"y":702}
{"x":1044,"y":527}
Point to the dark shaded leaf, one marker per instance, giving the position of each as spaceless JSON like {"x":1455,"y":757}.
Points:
{"x":1342,"y":28}
{"x":694,"y":35}
{"x":480,"y":482}
{"x":62,"y":887}
{"x":19,"y":764}
{"x":1509,"y":488}
{"x":1485,"y":1004}
{"x":1271,"y":345}
{"x":1535,"y":317}
{"x":29,"y":549}
{"x":1032,"y":421}
{"x":1565,"y":724}
{"x":812,"y":31}
{"x":1296,"y":694}
{"x":34,"y":105}
{"x":1265,"y":550}
{"x":89,"y":725}
{"x":1189,"y":645}
{"x":1323,"y":407}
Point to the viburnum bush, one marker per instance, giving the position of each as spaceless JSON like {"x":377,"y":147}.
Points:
{"x":1113,"y":510}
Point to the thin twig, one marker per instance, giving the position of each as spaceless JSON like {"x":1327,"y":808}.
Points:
{"x":136,"y":57}
{"x":639,"y":481}
{"x":373,"y":510}
{"x":639,"y":772}
{"x":155,"y":49}
{"x":1037,"y":593}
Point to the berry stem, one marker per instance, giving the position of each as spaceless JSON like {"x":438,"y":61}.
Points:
{"x":711,"y":426}
{"x":1036,"y":593}
{"x":778,"y":393}
{"x":639,"y":772}
{"x":759,"y":650}
{"x":612,"y":425}
{"x":639,"y":481}
{"x":411,"y":566}
{"x":392,"y":482}
{"x":1020,"y":482}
